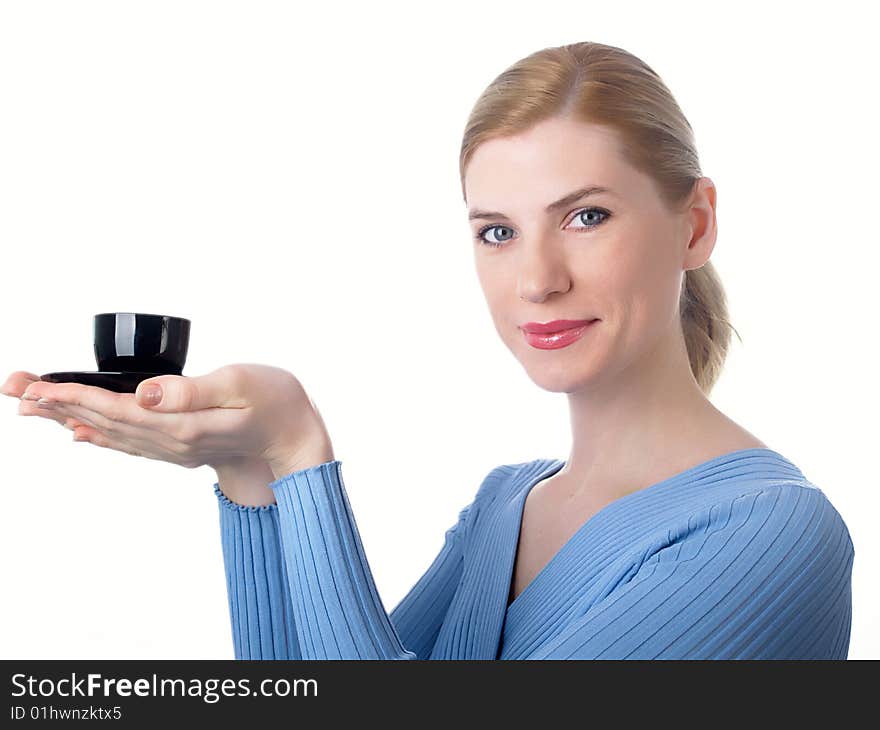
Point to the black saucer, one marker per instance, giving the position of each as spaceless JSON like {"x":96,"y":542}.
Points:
{"x":118,"y":382}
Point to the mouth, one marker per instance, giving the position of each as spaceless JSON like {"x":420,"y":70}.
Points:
{"x":557,"y":325}
{"x":557,"y":338}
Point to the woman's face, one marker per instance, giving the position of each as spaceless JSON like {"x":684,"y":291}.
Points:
{"x":617,"y":256}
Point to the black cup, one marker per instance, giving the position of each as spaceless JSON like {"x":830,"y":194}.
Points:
{"x":132,"y":342}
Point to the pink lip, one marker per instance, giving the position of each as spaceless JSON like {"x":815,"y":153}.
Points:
{"x":557,"y":325}
{"x":557,"y":339}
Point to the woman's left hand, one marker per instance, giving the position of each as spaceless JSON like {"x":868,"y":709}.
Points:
{"x":232,"y":415}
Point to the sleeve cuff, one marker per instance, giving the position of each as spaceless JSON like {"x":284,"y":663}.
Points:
{"x":301,"y":476}
{"x":228,"y":504}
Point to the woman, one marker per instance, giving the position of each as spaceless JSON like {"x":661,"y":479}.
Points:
{"x":669,"y":532}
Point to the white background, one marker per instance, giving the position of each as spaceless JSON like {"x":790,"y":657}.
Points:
{"x":286,"y":176}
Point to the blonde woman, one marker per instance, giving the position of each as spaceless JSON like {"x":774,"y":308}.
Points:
{"x":669,"y":531}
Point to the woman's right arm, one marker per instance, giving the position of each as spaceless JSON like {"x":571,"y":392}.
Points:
{"x":260,"y":608}
{"x":263,"y":612}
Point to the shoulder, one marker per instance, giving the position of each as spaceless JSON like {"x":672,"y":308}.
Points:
{"x":760,"y":572}
{"x":506,"y":479}
{"x":789,"y":524}
{"x":805,"y":515}
{"x":501,"y":480}
{"x":796,"y":510}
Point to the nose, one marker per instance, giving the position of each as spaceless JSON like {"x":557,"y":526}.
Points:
{"x":543,"y":270}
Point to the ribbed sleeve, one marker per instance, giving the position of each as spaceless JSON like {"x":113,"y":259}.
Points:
{"x":765,"y":575}
{"x":326,"y":605}
{"x":260,"y":608}
{"x":339,"y":614}
{"x":419,"y":616}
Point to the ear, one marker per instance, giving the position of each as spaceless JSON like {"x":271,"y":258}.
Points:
{"x":701,"y":226}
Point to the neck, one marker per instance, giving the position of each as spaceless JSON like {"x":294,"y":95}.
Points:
{"x":648,"y":419}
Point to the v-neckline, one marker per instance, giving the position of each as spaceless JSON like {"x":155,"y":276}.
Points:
{"x":557,"y":465}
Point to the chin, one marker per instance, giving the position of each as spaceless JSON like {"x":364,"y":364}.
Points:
{"x":559,"y":378}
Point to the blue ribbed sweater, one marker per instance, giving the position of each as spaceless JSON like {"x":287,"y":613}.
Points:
{"x":740,"y":557}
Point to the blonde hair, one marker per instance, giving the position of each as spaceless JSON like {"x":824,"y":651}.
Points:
{"x":601,"y":84}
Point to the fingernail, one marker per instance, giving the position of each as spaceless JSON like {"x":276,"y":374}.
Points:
{"x":29,"y":396}
{"x":45,"y":402}
{"x":151,"y":395}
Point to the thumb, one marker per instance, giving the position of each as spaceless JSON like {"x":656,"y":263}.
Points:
{"x":170,"y":393}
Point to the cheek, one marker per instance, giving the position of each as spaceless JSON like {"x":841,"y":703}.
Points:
{"x":642,"y":286}
{"x":496,"y":290}
{"x":611,"y":279}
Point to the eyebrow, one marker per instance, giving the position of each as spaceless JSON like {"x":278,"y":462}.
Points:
{"x":561,"y":203}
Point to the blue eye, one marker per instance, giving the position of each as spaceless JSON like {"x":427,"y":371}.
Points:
{"x":594,"y":213}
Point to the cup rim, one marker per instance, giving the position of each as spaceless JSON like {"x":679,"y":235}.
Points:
{"x":144,"y":314}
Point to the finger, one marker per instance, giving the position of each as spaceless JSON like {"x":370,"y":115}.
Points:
{"x":93,"y":436}
{"x":30,"y":408}
{"x":96,"y":420}
{"x":160,"y":446}
{"x":79,"y":393}
{"x":107,"y":405}
{"x":66,"y":413}
{"x":85,"y":433}
{"x":118,"y":416}
{"x":16,"y":383}
{"x":144,"y":435}
{"x":218,"y":389}
{"x":82,"y":433}
{"x":97,"y":438}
